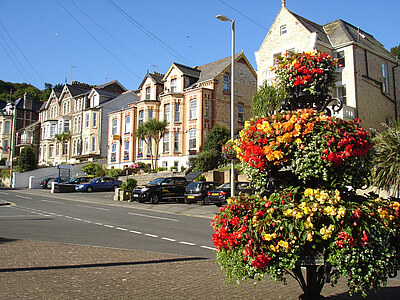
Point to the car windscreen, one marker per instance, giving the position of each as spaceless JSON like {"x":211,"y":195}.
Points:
{"x":156,"y":181}
{"x":193,"y":185}
{"x":94,"y":180}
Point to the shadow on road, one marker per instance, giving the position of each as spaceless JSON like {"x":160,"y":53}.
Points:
{"x":4,"y":240}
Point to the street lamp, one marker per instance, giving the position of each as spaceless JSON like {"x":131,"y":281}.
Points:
{"x":14,"y":108}
{"x":226,"y":19}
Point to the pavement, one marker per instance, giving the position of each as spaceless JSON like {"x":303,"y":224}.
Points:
{"x":45,"y":270}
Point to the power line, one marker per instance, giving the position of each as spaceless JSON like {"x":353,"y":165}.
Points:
{"x":110,"y":35}
{"x":22,"y":53}
{"x":149,"y":33}
{"x":15,"y":64}
{"x":104,"y":47}
{"x":248,"y":18}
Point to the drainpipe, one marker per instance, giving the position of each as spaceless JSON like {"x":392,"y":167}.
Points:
{"x":395,"y":92}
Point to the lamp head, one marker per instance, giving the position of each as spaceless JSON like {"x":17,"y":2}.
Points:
{"x":223,"y":18}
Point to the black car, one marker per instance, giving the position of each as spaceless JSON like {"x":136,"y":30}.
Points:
{"x":44,"y":182}
{"x":197,"y":191}
{"x":219,"y":195}
{"x":78,"y":180}
{"x":161,"y":189}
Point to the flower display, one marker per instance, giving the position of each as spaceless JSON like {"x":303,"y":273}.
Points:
{"x":306,"y":71}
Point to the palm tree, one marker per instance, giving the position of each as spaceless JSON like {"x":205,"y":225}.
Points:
{"x":143,"y":133}
{"x":156,"y":130}
{"x":64,"y":138}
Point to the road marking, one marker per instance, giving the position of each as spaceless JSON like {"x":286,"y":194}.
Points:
{"x":101,"y":224}
{"x":151,"y":235}
{"x":52,"y":201}
{"x":149,"y":216}
{"x":109,"y":226}
{"x":86,"y":221}
{"x":168,"y":239}
{"x":68,"y":217}
{"x":77,"y":219}
{"x":4,"y":193}
{"x":92,"y":207}
{"x":120,"y":228}
{"x":18,"y":216}
{"x":23,"y":197}
{"x":187,"y":243}
{"x":209,"y":248}
{"x":134,"y":231}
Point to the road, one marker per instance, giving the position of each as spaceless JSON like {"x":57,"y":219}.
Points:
{"x":80,"y":220}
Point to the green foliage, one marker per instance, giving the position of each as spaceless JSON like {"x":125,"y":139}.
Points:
{"x":160,"y":169}
{"x":19,"y":89}
{"x":92,"y":169}
{"x":129,"y":184}
{"x":205,"y":161}
{"x":27,"y":159}
{"x":114,"y":173}
{"x":174,"y":168}
{"x":5,"y":173}
{"x":216,"y":138}
{"x":267,"y":100}
{"x":200,"y":178}
{"x":395,"y":51}
{"x":385,"y":173}
{"x":100,"y":172}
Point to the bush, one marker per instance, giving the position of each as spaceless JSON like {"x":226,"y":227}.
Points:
{"x":159,"y":169}
{"x":27,"y":159}
{"x":129,"y":184}
{"x":205,"y":161}
{"x":182,"y":169}
{"x":5,"y":173}
{"x":200,"y":178}
{"x":174,"y":168}
{"x":114,"y":173}
{"x":92,"y":169}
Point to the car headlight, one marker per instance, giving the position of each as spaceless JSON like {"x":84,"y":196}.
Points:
{"x":79,"y":186}
{"x":144,"y":189}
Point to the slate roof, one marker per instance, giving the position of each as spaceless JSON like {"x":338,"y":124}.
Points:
{"x":313,"y":27}
{"x":157,"y":77}
{"x":188,"y":71}
{"x":106,"y":93}
{"x":76,"y":90}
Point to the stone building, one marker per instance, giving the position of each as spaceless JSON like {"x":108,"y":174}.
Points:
{"x":192,"y":100}
{"x":368,"y":81}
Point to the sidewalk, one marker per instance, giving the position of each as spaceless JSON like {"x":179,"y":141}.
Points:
{"x":43,"y":270}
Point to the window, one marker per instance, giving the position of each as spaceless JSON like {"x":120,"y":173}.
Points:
{"x":385,"y":84}
{"x":148,"y":93}
{"x":193,"y":109}
{"x":340,"y":58}
{"x":86,"y":145}
{"x":87,"y":120}
{"x":150,"y":114}
{"x":226,"y":82}
{"x":340,"y":93}
{"x":176,"y":141}
{"x":66,"y":125}
{"x":93,"y":143}
{"x":113,"y":152}
{"x":73,"y":148}
{"x":149,"y":146}
{"x":51,"y":151}
{"x":166,"y":142}
{"x":141,"y":117}
{"x":275,"y":58}
{"x":114,"y":126}
{"x":240,"y":113}
{"x":207,"y":108}
{"x":192,"y":139}
{"x":7,"y":127}
{"x":126,"y":150}
{"x":140,"y":147}
{"x":173,"y":85}
{"x":1,"y":126}
{"x":58,"y":149}
{"x":53,"y":128}
{"x":127,"y":124}
{"x":166,"y":112}
{"x":76,"y":124}
{"x":94,"y":119}
{"x":283,"y":29}
{"x":44,"y":152}
{"x":177,"y":111}
{"x":65,"y":149}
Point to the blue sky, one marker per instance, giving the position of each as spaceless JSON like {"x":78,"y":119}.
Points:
{"x":41,"y":39}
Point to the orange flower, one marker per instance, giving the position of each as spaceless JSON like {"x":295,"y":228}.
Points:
{"x":288,"y":126}
{"x":278,"y":154}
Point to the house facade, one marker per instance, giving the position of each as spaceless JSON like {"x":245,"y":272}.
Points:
{"x":368,"y":80}
{"x":79,"y":111}
{"x":192,"y":100}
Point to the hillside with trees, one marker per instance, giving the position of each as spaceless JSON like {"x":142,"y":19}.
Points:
{"x":19,"y":89}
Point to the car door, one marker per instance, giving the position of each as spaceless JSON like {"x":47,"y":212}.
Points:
{"x":108,"y":183}
{"x":180,"y":186}
{"x":167,"y":188}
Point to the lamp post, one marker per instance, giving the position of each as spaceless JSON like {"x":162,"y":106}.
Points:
{"x":226,"y":19}
{"x":12,"y":142}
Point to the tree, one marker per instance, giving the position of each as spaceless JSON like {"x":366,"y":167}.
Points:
{"x":27,"y":159}
{"x":92,"y":169}
{"x":63,"y":138}
{"x":156,"y":130}
{"x":216,"y":138}
{"x":142,"y":133}
{"x":395,"y":51}
{"x":267,"y":100}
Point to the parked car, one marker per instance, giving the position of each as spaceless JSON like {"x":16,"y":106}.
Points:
{"x":220,"y":194}
{"x":56,"y":180}
{"x":161,"y":189}
{"x":99,"y":184}
{"x":78,"y":180}
{"x":43,"y":183}
{"x":197,"y":191}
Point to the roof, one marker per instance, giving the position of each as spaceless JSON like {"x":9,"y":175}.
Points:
{"x":313,"y":27}
{"x":156,"y":77}
{"x":213,"y":69}
{"x":186,"y":71}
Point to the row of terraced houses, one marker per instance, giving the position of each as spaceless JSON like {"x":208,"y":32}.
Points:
{"x":102,"y":119}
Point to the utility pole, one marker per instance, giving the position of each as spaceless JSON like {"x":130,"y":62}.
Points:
{"x":106,"y":78}
{"x":14,"y":118}
{"x":70,"y":72}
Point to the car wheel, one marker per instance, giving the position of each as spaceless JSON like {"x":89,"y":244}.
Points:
{"x":155,"y":198}
{"x":187,"y":201}
{"x":205,"y":201}
{"x":218,"y":204}
{"x":141,"y":200}
{"x":89,"y":189}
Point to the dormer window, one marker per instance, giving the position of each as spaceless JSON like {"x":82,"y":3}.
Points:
{"x":148,"y":93}
{"x":283,"y":29}
{"x":173,"y":85}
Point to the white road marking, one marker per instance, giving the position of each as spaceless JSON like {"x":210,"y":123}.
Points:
{"x":101,"y":224}
{"x":109,"y":226}
{"x":151,"y":235}
{"x":4,"y":193}
{"x":86,"y":221}
{"x":23,"y":197}
{"x":168,"y":239}
{"x":92,"y":207}
{"x":52,"y":201}
{"x":187,"y":243}
{"x":18,"y":216}
{"x":68,"y":217}
{"x":155,"y":217}
{"x":77,"y":219}
{"x":134,"y":231}
{"x":209,"y":248}
{"x":120,"y":228}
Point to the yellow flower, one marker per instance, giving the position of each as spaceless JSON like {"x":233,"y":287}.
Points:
{"x":309,"y":236}
{"x":298,"y":141}
{"x":341,"y":212}
{"x":309,"y":192}
{"x":278,"y":154}
{"x":308,"y":224}
{"x":283,"y":244}
{"x":299,"y":215}
{"x":273,"y":248}
{"x":288,"y":212}
{"x":269,"y":237}
{"x":330,"y":210}
{"x":307,"y":210}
